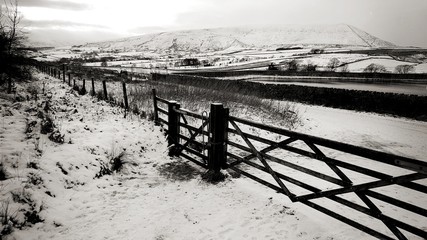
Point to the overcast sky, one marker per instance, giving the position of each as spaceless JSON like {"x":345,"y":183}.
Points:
{"x":402,"y":22}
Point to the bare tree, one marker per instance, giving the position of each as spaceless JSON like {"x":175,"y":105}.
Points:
{"x":404,"y":69}
{"x":104,"y":63}
{"x":310,"y":67}
{"x":375,"y":68}
{"x":333,"y":64}
{"x":11,"y":38}
{"x":292,"y":65}
{"x":344,"y":68}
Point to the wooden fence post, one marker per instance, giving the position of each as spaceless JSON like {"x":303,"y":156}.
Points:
{"x":173,"y":127}
{"x":83,"y":90}
{"x":63,"y":72}
{"x":125,"y":96}
{"x":69,"y":79}
{"x":93,"y":87}
{"x":104,"y":86}
{"x":156,"y":113}
{"x":217,"y":151}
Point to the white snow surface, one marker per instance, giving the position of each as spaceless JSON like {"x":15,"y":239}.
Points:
{"x":144,"y":201}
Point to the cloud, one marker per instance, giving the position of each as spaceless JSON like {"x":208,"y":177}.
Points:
{"x":57,"y":24}
{"x":65,"y":5}
{"x":64,"y":37}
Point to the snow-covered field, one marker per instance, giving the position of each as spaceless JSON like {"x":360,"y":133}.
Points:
{"x":389,"y":63}
{"x":399,"y":136}
{"x":322,"y":60}
{"x":155,"y":196}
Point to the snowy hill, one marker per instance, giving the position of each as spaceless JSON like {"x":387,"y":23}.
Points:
{"x":271,"y":37}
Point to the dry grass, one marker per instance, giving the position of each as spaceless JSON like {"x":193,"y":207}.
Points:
{"x":198,"y":99}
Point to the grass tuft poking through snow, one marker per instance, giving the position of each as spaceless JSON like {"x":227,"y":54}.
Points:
{"x":117,"y":162}
{"x":3,"y":173}
{"x":7,"y":217}
{"x":118,"y":159}
{"x":47,"y":125}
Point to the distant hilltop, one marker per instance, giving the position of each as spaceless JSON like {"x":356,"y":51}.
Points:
{"x":239,"y":38}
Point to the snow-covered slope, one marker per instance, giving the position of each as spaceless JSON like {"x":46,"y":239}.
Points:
{"x":270,"y":37}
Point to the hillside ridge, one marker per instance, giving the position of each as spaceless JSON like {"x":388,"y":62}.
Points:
{"x":268,"y":37}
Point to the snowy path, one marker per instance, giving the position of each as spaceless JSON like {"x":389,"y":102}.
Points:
{"x":399,"y":136}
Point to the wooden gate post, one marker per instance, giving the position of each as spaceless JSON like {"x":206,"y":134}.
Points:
{"x":156,"y":113}
{"x":125,"y":96}
{"x":104,"y":86}
{"x":93,"y":87}
{"x":217,"y":151}
{"x":173,"y":127}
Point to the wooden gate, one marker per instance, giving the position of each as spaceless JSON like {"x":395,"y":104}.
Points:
{"x":400,"y":173}
{"x":338,"y":179}
{"x":185,"y":140}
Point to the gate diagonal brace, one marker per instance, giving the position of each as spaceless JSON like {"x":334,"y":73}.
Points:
{"x":186,"y":122}
{"x":362,"y":187}
{"x":264,"y":162}
{"x":273,"y":147}
{"x":377,"y":212}
{"x":322,"y":157}
{"x":192,"y":137}
{"x":374,"y":209}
